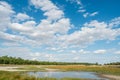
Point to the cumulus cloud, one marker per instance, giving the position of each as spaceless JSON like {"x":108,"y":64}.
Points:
{"x":53,"y":30}
{"x":114,"y":22}
{"x":49,"y":8}
{"x":16,"y":38}
{"x":44,"y":33}
{"x":22,"y":17}
{"x":5,"y":15}
{"x":100,"y":51}
{"x":21,"y":27}
{"x":91,"y":32}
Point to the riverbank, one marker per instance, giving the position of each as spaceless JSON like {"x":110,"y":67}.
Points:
{"x":111,"y":77}
{"x":6,"y":68}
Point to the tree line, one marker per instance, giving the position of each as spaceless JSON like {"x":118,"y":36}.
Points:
{"x":113,"y":63}
{"x":20,"y":61}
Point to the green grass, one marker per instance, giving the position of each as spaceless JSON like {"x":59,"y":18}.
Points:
{"x":4,"y":75}
{"x":73,"y":79}
{"x":14,"y":76}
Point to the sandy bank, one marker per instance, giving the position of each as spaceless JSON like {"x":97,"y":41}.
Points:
{"x":10,"y":69}
{"x":111,"y":77}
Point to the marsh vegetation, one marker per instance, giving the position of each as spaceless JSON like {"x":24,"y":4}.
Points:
{"x":18,"y":64}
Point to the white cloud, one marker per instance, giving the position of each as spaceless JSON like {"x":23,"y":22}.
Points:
{"x":61,"y":26}
{"x":94,"y":13}
{"x":117,"y":52}
{"x":78,"y":2}
{"x":43,"y":56}
{"x":51,"y":34}
{"x":49,"y":8}
{"x":57,"y":14}
{"x":5,"y":15}
{"x":43,"y":33}
{"x":15,"y":51}
{"x":53,"y":31}
{"x":102,"y":51}
{"x":46,"y":30}
{"x":37,"y":54}
{"x":16,"y":38}
{"x":22,"y":17}
{"x":82,"y":51}
{"x":85,"y":15}
{"x":114,"y":22}
{"x":11,"y":44}
{"x":52,"y":48}
{"x":76,"y":58}
{"x":73,"y":51}
{"x":91,"y":32}
{"x":82,"y":10}
{"x":20,"y":27}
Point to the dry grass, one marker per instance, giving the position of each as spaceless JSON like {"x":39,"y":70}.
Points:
{"x":98,"y":69}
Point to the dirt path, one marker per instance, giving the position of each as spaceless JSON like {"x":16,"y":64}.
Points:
{"x":112,"y":77}
{"x":10,"y":69}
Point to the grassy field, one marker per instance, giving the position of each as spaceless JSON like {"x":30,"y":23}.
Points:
{"x":98,"y":69}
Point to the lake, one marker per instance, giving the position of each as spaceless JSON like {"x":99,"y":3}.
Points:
{"x":70,"y":74}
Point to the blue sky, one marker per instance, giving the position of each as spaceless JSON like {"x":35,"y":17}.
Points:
{"x":61,"y":30}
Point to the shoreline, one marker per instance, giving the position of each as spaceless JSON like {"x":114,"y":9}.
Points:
{"x":109,"y":76}
{"x":17,"y":68}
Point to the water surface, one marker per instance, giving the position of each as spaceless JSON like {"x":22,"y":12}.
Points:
{"x":70,"y":74}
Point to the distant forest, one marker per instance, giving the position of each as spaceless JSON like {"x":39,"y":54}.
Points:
{"x":114,"y":63}
{"x":20,"y":61}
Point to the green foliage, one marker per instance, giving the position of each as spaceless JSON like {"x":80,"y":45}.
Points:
{"x":20,"y":61}
{"x":114,"y":63}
